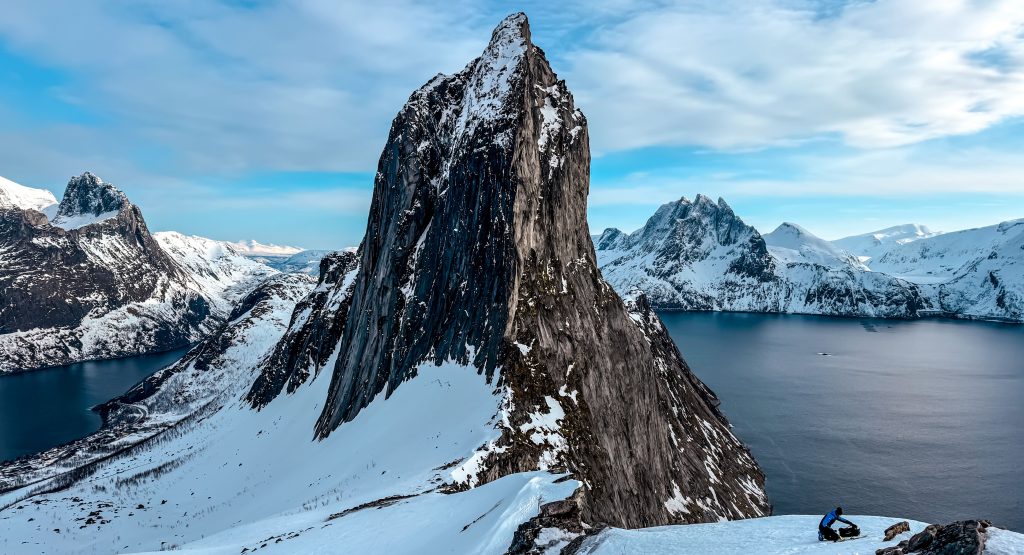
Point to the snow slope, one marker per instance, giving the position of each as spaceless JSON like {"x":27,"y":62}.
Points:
{"x":938,"y":259}
{"x":253,"y":247}
{"x":239,"y":478}
{"x":871,"y":245}
{"x":216,"y":268}
{"x":790,"y":243}
{"x":777,"y":535}
{"x":20,"y":196}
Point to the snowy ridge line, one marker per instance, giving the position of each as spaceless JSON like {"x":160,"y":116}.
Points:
{"x":699,"y":256}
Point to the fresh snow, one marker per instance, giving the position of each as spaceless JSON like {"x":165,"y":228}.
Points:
{"x":790,"y":243}
{"x":871,"y":245}
{"x":776,"y":535}
{"x":19,"y":196}
{"x":253,"y":247}
{"x":939,"y":258}
{"x":216,"y":269}
{"x":239,"y":478}
{"x":78,"y":221}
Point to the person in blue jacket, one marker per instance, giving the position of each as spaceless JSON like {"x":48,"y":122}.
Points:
{"x":825,"y":531}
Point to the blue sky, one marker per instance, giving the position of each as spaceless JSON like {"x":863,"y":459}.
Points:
{"x":261,"y":119}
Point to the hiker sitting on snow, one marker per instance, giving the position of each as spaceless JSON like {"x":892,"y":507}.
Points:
{"x":825,"y":531}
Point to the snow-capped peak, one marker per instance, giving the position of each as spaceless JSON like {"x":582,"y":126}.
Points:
{"x":88,"y":200}
{"x":871,"y":245}
{"x":252,"y":247}
{"x":19,"y":196}
{"x":490,"y":81}
{"x":793,"y":244}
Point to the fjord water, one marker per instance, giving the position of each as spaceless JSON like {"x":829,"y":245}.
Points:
{"x":918,"y":419}
{"x":45,"y":408}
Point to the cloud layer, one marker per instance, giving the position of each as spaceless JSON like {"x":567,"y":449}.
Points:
{"x":730,"y":74}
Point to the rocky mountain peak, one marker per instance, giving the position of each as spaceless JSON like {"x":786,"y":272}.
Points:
{"x":477,"y":252}
{"x":88,"y":197}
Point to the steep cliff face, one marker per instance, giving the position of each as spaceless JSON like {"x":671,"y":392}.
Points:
{"x":477,"y":251}
{"x":95,"y":283}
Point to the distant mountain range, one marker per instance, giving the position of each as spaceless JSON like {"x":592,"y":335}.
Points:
{"x":700,"y":255}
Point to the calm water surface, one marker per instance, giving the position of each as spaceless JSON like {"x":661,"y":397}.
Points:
{"x":45,"y":408}
{"x":920,"y":419}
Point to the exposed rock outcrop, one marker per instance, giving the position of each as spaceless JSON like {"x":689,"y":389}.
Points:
{"x":896,"y":529}
{"x":963,"y":537}
{"x":477,"y":251}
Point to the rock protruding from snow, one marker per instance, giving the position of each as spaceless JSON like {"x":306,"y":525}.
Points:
{"x":477,"y":251}
{"x":313,"y":332}
{"x":88,"y":200}
{"x":964,"y":537}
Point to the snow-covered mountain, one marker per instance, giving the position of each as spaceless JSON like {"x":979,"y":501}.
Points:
{"x":701,"y":256}
{"x":975,"y":273}
{"x":871,"y":245}
{"x":468,"y":361}
{"x":14,"y":195}
{"x":303,"y":262}
{"x":792,"y":244}
{"x":94,"y":283}
{"x":254,"y":248}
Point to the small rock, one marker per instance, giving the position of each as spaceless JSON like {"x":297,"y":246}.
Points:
{"x":896,"y":529}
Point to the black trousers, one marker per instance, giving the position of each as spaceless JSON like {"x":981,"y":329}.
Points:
{"x":828,"y":534}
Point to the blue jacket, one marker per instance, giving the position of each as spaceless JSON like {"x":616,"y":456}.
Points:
{"x":830,"y":518}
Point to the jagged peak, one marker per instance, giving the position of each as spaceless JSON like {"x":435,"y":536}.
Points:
{"x":722,"y":205}
{"x":88,"y":200}
{"x":703,"y":199}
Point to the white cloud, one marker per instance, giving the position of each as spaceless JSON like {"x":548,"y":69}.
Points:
{"x":731,"y":74}
{"x":310,"y":84}
{"x":195,"y":88}
{"x":877,"y":174}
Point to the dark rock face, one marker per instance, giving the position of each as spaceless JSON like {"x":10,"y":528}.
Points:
{"x":315,"y":329}
{"x":964,"y":537}
{"x":88,"y":195}
{"x":477,"y":251}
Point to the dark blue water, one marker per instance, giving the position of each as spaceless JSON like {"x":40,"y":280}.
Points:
{"x":919,"y":419}
{"x":45,"y":408}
